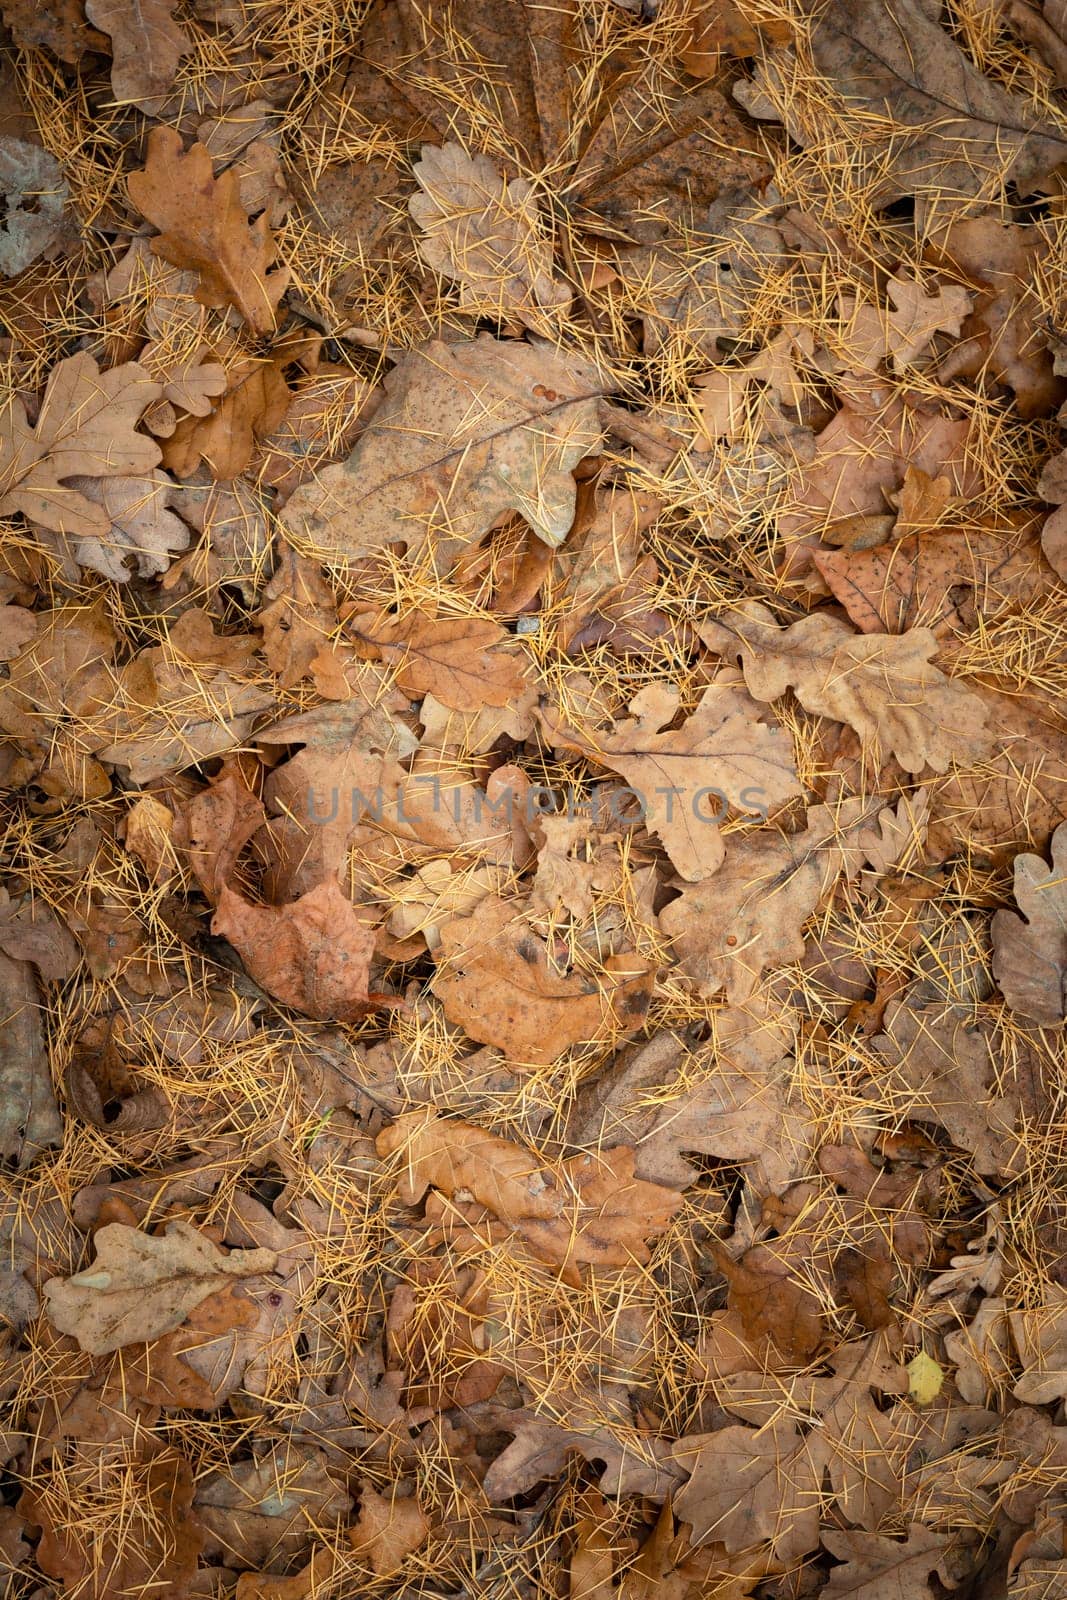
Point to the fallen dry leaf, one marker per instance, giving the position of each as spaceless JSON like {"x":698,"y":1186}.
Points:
{"x":160,"y":1541}
{"x":452,"y":657}
{"x":387,"y":1530}
{"x":146,"y":45}
{"x":686,"y":778}
{"x":35,"y":196}
{"x":877,"y":1568}
{"x":313,"y":955}
{"x":883,"y":686}
{"x":85,"y":428}
{"x":465,"y":433}
{"x":944,"y":123}
{"x":592,"y":1210}
{"x":1030,"y":951}
{"x":496,"y":979}
{"x":214,"y":827}
{"x":140,"y":1286}
{"x":727,"y":929}
{"x":486,"y":234}
{"x":203,"y":226}
{"x":29,"y":1117}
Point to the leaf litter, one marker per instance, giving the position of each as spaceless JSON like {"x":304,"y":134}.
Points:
{"x":533,"y":751}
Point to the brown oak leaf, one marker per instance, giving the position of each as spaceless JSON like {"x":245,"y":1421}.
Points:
{"x":146,"y":45}
{"x":203,"y":226}
{"x":141,"y":1286}
{"x":458,"y":659}
{"x":882,"y":685}
{"x":1030,"y":951}
{"x":497,"y":980}
{"x":313,"y":955}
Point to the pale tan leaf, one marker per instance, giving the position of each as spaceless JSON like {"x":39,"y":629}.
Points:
{"x":881,"y":685}
{"x":485,"y":233}
{"x":146,"y":45}
{"x":140,"y":1287}
{"x":465,"y":432}
{"x":1030,"y":951}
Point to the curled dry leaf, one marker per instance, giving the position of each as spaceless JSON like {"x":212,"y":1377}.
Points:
{"x":214,"y":827}
{"x":1030,"y":951}
{"x":313,"y":955}
{"x":485,"y":233}
{"x":140,"y":1286}
{"x":721,"y":754}
{"x":881,"y":685}
{"x":496,"y":978}
{"x":144,"y":533}
{"x":203,"y":226}
{"x":465,"y":433}
{"x":146,"y":45}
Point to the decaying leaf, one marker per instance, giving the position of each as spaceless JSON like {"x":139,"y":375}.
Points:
{"x":465,"y":433}
{"x":687,"y":778}
{"x":452,"y":657}
{"x":203,"y":226}
{"x":146,"y":45}
{"x":876,"y":1567}
{"x":496,"y":978}
{"x":485,"y":233}
{"x":945,"y":126}
{"x":727,"y":929}
{"x":29,"y":1117}
{"x":141,"y":1286}
{"x":387,"y":1530}
{"x":313,"y":955}
{"x":85,"y":428}
{"x":590,"y":1210}
{"x":35,"y":197}
{"x":883,"y":686}
{"x":1030,"y":951}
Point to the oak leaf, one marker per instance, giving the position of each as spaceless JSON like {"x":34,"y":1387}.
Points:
{"x":882,"y":685}
{"x":144,"y":533}
{"x":634,"y":1461}
{"x":85,"y":428}
{"x":729,"y":928}
{"x":946,"y":1062}
{"x":486,"y":234}
{"x":59,"y":26}
{"x":146,"y":45}
{"x":29,"y":1117}
{"x":457,"y":658}
{"x":933,"y":126}
{"x":877,"y":1568}
{"x":1040,"y":1337}
{"x":262,"y":1513}
{"x":35,"y":196}
{"x":1030,"y":951}
{"x":155,"y":1545}
{"x":140,"y":1286}
{"x":254,"y":401}
{"x":465,"y":433}
{"x":726,"y":1099}
{"x":633,"y":150}
{"x":313,"y":955}
{"x":214,"y":827}
{"x":496,"y":980}
{"x":906,"y":329}
{"x":942,"y":580}
{"x":589,"y":1210}
{"x":721,"y":750}
{"x":203,"y":226}
{"x":387,"y":1530}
